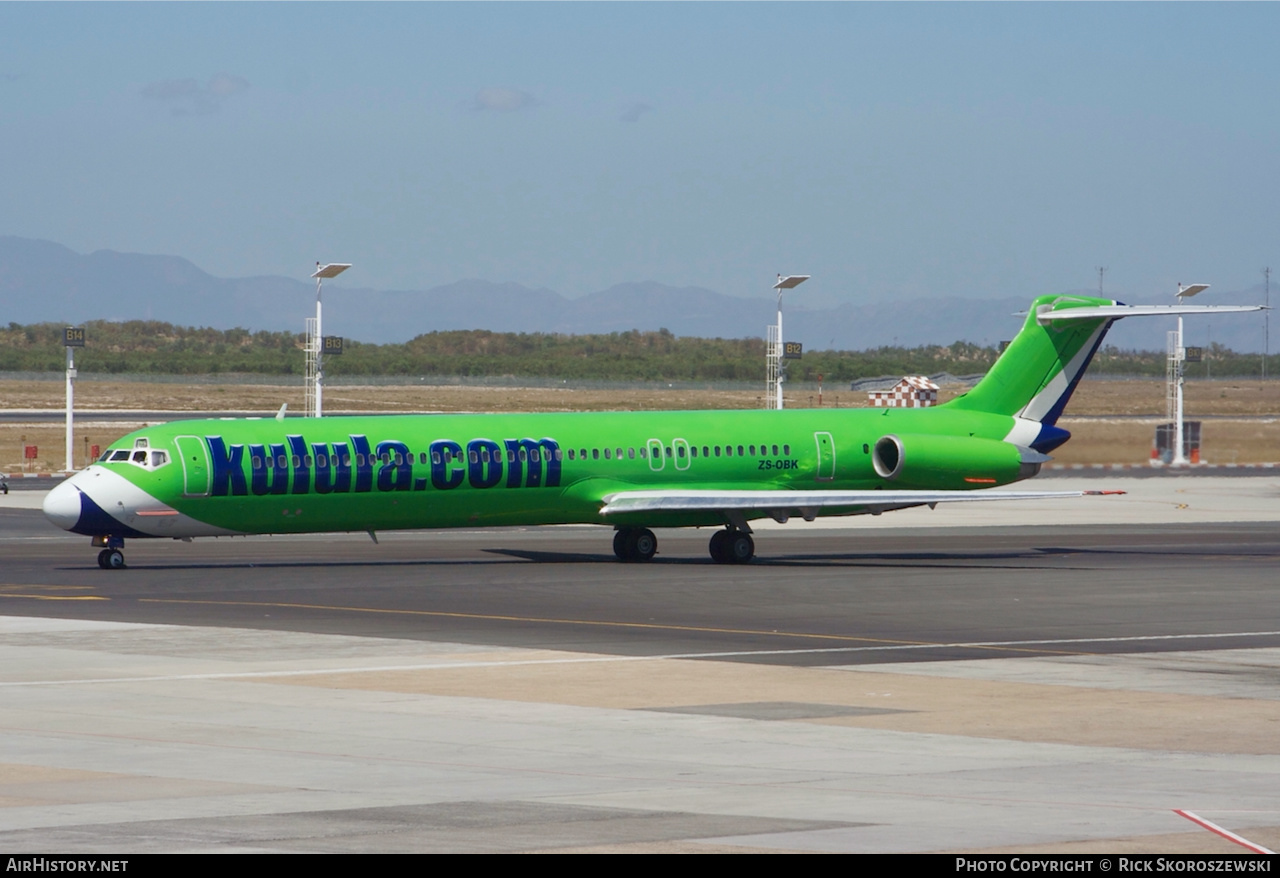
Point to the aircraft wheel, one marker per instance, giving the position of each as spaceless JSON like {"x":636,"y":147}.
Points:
{"x":739,"y":548}
{"x":717,"y":548}
{"x":620,"y":543}
{"x":115,"y":559}
{"x":102,"y":559}
{"x":641,"y":545}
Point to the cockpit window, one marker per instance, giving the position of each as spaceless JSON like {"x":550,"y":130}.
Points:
{"x":140,"y":455}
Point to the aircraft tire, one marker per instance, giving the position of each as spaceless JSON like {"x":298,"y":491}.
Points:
{"x":115,"y":559}
{"x":739,"y":548}
{"x":641,"y":544}
{"x":102,"y":559}
{"x":717,"y":547}
{"x":620,"y":542}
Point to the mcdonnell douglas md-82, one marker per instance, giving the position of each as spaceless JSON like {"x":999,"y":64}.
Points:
{"x":631,"y":470}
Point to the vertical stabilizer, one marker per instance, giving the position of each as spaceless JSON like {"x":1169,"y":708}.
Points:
{"x":1037,"y":373}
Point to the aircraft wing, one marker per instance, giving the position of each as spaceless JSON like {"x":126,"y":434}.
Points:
{"x":1117,"y":311}
{"x":781,"y":504}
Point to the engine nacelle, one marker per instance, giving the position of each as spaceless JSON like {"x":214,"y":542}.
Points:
{"x":952,"y":462}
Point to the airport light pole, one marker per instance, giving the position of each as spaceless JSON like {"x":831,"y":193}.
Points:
{"x":774,"y":351}
{"x":315,"y":356}
{"x":72,"y":338}
{"x":1178,"y":367}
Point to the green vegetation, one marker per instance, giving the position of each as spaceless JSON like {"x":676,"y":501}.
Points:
{"x":161,"y":348}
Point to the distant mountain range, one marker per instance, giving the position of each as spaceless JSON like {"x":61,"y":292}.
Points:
{"x":44,"y":281}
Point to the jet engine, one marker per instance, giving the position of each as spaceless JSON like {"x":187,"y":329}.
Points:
{"x":952,"y":462}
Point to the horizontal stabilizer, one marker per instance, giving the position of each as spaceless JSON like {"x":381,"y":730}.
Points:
{"x":1114,"y":312}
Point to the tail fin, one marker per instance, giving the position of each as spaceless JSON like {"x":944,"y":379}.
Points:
{"x":1037,"y":373}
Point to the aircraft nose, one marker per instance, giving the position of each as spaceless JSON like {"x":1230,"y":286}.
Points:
{"x":62,"y":505}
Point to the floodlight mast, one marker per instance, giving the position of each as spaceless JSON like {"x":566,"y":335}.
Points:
{"x":773,"y":353}
{"x":1178,"y":360}
{"x":71,"y":406}
{"x":315,"y":356}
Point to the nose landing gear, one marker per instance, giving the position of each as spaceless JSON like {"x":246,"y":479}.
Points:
{"x":111,"y":557}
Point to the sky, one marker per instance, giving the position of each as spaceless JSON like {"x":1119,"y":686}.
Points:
{"x":892,"y":151}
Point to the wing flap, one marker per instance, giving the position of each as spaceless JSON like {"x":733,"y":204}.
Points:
{"x":804,"y":503}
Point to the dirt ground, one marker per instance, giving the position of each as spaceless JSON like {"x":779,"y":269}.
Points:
{"x":1096,"y":437}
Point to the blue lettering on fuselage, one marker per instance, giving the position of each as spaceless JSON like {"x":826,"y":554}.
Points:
{"x":293,"y":467}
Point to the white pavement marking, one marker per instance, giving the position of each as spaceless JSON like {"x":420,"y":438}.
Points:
{"x":1225,"y":833}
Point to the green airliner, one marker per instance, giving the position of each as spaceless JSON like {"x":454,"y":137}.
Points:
{"x":630,"y":470}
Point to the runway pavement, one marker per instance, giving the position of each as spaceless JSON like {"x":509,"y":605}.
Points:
{"x":962,"y":679}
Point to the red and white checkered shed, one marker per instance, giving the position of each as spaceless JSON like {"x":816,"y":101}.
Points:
{"x":913,"y":392}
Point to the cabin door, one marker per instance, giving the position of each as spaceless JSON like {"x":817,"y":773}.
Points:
{"x":195,"y":466}
{"x":826,"y":457}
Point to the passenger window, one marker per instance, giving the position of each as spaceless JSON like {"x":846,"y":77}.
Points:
{"x":775,"y":451}
{"x":595,"y":453}
{"x":631,"y":454}
{"x":435,"y":457}
{"x":617,"y":452}
{"x":679,"y":451}
{"x":643,"y":453}
{"x":422,"y":458}
{"x":606,"y":454}
{"x":571,"y":454}
{"x":717,"y":451}
{"x":786,"y":450}
{"x":740,"y":454}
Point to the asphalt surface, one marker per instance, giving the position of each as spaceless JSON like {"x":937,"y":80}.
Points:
{"x":861,"y":687}
{"x":821,"y":598}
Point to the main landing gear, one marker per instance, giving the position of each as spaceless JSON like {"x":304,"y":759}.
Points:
{"x":111,"y":557}
{"x":732,"y":546}
{"x":729,"y":546}
{"x":635,"y":544}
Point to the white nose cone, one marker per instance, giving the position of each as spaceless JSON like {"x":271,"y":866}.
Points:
{"x":62,"y":505}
